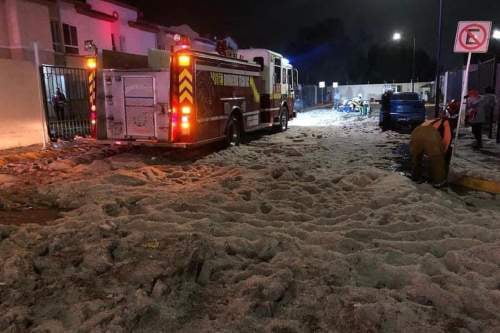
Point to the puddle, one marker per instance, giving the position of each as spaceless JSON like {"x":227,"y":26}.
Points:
{"x":41,"y":216}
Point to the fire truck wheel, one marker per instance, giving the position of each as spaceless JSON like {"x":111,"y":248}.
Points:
{"x":283,"y":120}
{"x":233,"y":132}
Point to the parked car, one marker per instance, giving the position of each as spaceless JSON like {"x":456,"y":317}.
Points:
{"x":406,"y":110}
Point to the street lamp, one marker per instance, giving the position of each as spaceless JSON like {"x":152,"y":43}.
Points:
{"x":496,"y":34}
{"x":397,"y":37}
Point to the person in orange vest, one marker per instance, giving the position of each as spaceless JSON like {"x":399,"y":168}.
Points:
{"x":433,"y":138}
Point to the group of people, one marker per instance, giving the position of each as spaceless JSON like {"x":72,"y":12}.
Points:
{"x":434,"y":138}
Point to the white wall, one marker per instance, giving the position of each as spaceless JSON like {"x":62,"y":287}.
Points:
{"x":136,"y":41}
{"x":21,"y":110}
{"x":22,"y":23}
{"x":4,"y":33}
{"x":375,"y":91}
{"x":88,"y":28}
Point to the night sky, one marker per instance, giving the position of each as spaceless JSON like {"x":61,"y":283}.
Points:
{"x":275,"y":24}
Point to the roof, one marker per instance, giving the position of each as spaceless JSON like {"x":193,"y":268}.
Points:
{"x":261,"y":50}
{"x":144,"y":26}
{"x":86,"y":9}
{"x":122,"y":4}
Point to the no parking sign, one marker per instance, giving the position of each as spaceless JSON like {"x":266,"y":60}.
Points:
{"x":473,"y":37}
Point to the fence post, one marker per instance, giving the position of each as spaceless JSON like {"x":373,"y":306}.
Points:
{"x":36,"y":53}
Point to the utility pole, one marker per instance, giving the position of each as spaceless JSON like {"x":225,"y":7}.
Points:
{"x":413,"y":64}
{"x":438,"y":58}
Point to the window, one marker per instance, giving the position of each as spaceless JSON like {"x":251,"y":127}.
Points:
{"x":289,"y":75}
{"x":260,"y":61}
{"x":70,"y":39}
{"x":55,"y":29}
{"x":277,"y":71}
{"x":283,"y":76}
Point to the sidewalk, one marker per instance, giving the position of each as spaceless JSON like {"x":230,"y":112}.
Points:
{"x":483,"y":164}
{"x":17,"y":161}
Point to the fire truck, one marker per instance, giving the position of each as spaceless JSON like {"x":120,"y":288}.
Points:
{"x":200,"y":98}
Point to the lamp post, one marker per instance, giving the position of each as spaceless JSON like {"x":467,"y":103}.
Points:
{"x":397,"y":37}
{"x":496,"y":37}
{"x":496,"y":34}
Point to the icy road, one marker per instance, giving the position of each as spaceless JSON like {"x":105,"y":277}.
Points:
{"x":312,"y":230}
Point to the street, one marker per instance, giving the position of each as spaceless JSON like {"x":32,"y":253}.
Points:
{"x":314,"y":229}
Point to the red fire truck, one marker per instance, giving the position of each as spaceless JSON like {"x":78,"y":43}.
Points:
{"x":202,"y":98}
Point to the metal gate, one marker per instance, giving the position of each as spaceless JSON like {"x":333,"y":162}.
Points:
{"x":66,"y":98}
{"x":484,"y":76}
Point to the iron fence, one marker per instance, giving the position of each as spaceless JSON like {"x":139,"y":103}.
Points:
{"x":66,"y":101}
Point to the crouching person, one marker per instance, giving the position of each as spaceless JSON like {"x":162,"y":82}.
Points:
{"x":433,"y":139}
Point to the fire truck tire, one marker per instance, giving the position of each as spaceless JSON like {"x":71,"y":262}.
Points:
{"x":283,"y":124}
{"x":233,"y":132}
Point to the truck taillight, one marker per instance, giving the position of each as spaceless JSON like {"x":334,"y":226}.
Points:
{"x":92,"y":64}
{"x":186,"y":110}
{"x":184,"y":60}
{"x":182,"y":89}
{"x":185,"y":125}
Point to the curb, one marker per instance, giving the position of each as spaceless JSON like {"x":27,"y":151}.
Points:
{"x":478,"y":184}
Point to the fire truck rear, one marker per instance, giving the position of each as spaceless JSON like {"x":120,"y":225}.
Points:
{"x":211,"y":98}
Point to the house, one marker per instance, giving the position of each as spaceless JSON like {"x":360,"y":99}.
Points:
{"x":62,"y":28}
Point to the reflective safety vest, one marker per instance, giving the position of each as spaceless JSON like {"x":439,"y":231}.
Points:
{"x":444,"y":129}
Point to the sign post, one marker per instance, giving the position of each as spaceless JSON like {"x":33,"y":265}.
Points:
{"x":472,"y":37}
{"x":322,"y":86}
{"x":335,"y":86}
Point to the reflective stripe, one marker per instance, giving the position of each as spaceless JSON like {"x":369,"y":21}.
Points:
{"x":226,"y":70}
{"x":206,"y":120}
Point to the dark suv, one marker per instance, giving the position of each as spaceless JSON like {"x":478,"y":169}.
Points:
{"x":406,"y":110}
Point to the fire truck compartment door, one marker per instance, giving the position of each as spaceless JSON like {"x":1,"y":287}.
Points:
{"x":139,"y":100}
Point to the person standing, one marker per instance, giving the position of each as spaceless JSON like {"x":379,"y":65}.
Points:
{"x":476,"y":116}
{"x":386,"y":110}
{"x":489,"y":102}
{"x":58,"y":102}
